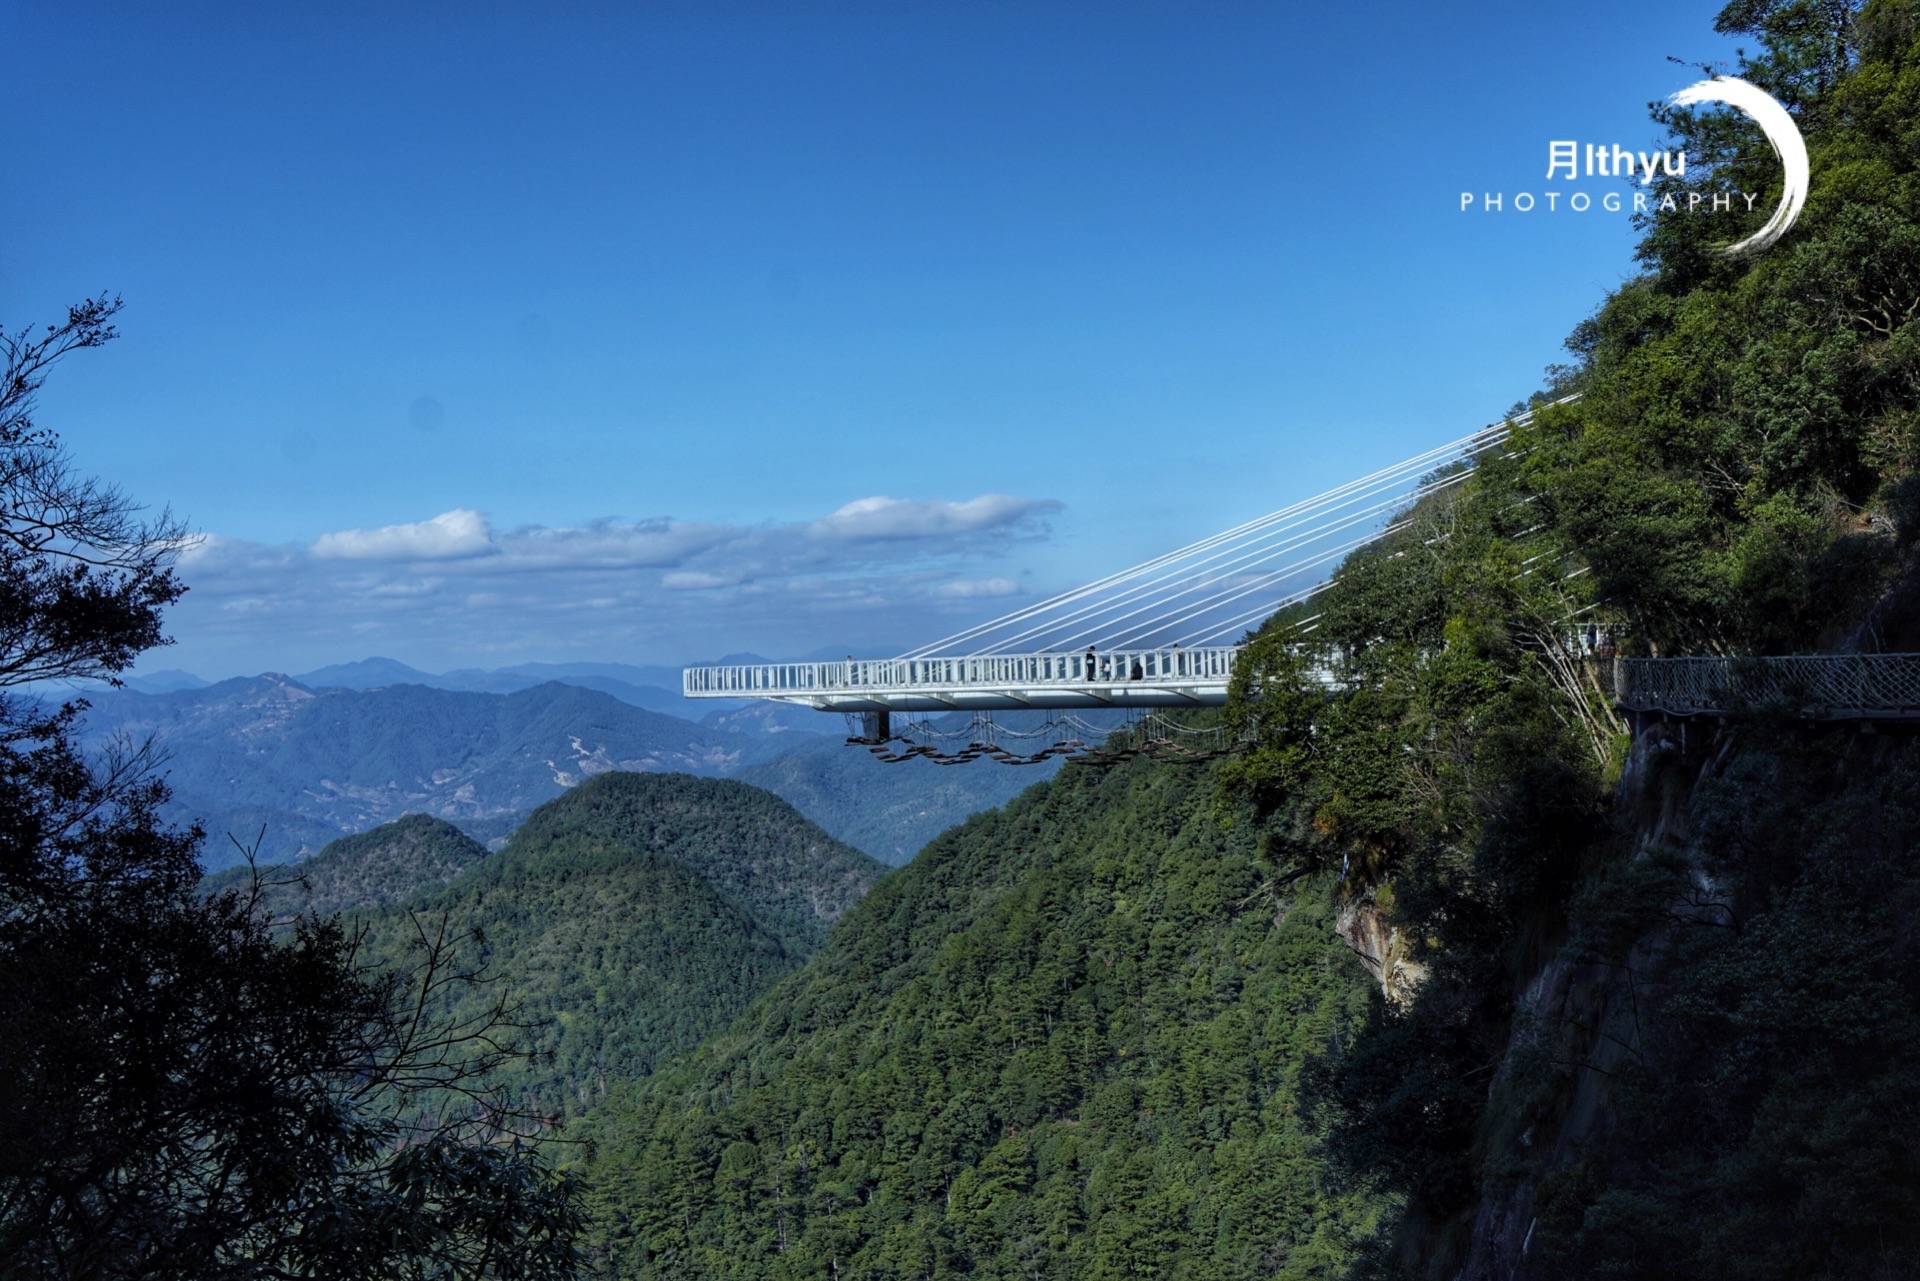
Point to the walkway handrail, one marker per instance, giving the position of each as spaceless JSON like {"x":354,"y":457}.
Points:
{"x":900,"y":675}
{"x":1827,"y":685}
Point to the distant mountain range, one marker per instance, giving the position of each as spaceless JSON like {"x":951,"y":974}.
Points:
{"x":652,"y":687}
{"x":369,"y":673}
{"x":889,"y":811}
{"x":309,"y":764}
{"x":298,"y":763}
{"x":165,"y":681}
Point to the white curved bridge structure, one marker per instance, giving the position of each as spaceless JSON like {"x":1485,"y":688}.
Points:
{"x":1164,"y":633}
{"x":1170,"y":677}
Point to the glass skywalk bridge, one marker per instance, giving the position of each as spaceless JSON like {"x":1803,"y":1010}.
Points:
{"x":1165,"y":633}
{"x":1170,"y":677}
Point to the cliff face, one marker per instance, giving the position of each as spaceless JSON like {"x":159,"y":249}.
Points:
{"x":1711,"y":1051}
{"x":1578,"y":1009}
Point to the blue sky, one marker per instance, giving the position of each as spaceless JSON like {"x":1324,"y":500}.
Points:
{"x":482,"y":334}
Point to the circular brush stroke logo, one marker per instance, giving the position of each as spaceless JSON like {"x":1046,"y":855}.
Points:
{"x":1782,"y":133}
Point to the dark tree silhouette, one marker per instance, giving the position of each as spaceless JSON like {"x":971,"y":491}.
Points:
{"x":187,"y":1093}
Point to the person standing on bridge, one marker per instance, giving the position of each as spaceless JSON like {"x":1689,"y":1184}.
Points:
{"x":1089,"y":662}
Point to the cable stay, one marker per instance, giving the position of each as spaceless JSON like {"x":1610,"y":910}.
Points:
{"x":1143,"y":642}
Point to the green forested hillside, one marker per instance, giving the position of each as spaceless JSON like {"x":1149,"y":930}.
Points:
{"x":630,"y":918}
{"x":389,"y":864}
{"x":756,"y":850}
{"x":1066,"y":1041}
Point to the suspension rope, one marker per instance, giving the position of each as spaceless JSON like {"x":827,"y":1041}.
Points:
{"x":1472,"y":444}
{"x":1269,"y":579}
{"x":1194,"y":610}
{"x":1232,"y":569}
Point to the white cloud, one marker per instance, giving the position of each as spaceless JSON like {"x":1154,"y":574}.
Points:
{"x":657,"y":543}
{"x":976,"y":588}
{"x":452,"y":535}
{"x":875,"y":571}
{"x":694,"y":580}
{"x":897,"y":518}
{"x":406,"y":588}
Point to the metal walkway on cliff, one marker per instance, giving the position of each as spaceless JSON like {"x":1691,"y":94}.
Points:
{"x":1837,"y":687}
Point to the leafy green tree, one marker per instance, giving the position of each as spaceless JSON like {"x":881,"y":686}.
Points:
{"x":186,"y":1096}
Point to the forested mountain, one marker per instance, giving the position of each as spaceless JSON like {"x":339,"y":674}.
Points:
{"x":1066,"y":1041}
{"x":753,"y":847}
{"x":389,"y":864}
{"x":628,"y":919}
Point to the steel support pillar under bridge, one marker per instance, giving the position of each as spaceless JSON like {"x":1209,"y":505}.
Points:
{"x":1164,"y":633}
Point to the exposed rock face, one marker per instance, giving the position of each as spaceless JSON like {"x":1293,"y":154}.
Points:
{"x":1368,"y":929}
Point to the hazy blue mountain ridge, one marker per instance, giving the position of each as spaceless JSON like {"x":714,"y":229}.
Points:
{"x":274,"y":759}
{"x":305,"y":761}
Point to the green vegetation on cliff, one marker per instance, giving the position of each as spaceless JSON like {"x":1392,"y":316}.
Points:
{"x":1066,"y":1041}
{"x":1738,"y":476}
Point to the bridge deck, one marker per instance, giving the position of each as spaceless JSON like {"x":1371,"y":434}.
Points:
{"x":1165,"y":678}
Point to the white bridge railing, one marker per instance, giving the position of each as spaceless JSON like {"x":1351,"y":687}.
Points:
{"x":879,"y":676}
{"x":1840,"y":686}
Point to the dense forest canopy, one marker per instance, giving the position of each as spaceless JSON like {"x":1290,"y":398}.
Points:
{"x":628,"y":919}
{"x":381,"y":866}
{"x":1066,"y":1041}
